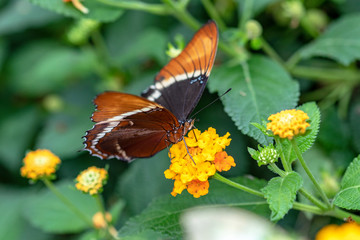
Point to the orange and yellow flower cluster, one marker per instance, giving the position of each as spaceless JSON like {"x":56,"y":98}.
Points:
{"x":41,"y":163}
{"x":92,"y":180}
{"x":288,"y":123}
{"x":347,"y":231}
{"x":207,"y":157}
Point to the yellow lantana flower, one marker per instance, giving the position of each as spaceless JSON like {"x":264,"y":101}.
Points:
{"x":288,"y":123}
{"x":41,"y":163}
{"x":208,"y":156}
{"x":347,"y":231}
{"x":91,"y":180}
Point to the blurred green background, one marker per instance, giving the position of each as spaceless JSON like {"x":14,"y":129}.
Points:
{"x":53,"y":64}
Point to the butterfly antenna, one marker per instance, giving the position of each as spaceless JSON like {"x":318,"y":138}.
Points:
{"x":211,"y":102}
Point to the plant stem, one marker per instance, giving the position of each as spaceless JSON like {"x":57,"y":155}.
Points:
{"x":284,"y":161}
{"x":181,"y":14}
{"x":67,"y":202}
{"x":299,"y":206}
{"x":308,"y":172}
{"x":293,"y":60}
{"x":103,"y":212}
{"x":277,"y":170}
{"x":246,"y":13}
{"x":326,"y":75}
{"x":341,"y":214}
{"x":100,"y":205}
{"x":158,"y":9}
{"x":307,"y":208}
{"x":110,"y":230}
{"x":272,"y":53}
{"x":237,"y":185}
{"x":312,"y":199}
{"x":305,"y":193}
{"x":211,"y":10}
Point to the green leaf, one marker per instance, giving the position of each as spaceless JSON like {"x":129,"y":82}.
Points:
{"x":16,"y":136}
{"x":339,"y":42}
{"x":116,"y":210}
{"x":3,"y":52}
{"x":280,"y":193}
{"x":49,"y":213}
{"x":305,"y":141}
{"x":97,"y":11}
{"x":150,"y":43}
{"x":11,"y":213}
{"x":47,"y":66}
{"x":19,"y":15}
{"x":269,"y":89}
{"x":335,"y":137}
{"x":349,"y":195}
{"x":134,"y":185}
{"x":162,"y":215}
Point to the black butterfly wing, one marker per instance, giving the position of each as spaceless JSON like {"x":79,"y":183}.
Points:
{"x":180,"y":84}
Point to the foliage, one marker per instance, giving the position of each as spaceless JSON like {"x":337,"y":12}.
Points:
{"x":280,"y":193}
{"x":54,"y":59}
{"x":348,"y":196}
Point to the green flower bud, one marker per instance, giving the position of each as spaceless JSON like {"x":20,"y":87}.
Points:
{"x":265,"y":155}
{"x":80,"y":32}
{"x":314,"y":22}
{"x":253,"y":29}
{"x":268,"y":155}
{"x":175,"y":51}
{"x":172,"y":51}
{"x":330,"y":184}
{"x":293,"y":9}
{"x":256,"y":43}
{"x":53,"y":103}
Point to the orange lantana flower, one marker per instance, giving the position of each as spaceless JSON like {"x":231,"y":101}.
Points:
{"x":207,"y":157}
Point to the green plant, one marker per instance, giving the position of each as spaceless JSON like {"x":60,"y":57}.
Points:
{"x":273,"y":54}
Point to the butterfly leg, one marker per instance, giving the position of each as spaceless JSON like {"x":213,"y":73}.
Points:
{"x":188,"y":151}
{"x":167,"y":146}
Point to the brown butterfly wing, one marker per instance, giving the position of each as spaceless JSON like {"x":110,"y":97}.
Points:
{"x":180,"y":84}
{"x":128,"y":127}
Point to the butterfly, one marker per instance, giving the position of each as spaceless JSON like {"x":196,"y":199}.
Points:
{"x":128,"y":126}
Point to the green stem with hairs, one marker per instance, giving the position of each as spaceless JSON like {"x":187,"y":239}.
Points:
{"x":237,"y":185}
{"x":211,"y":10}
{"x":180,"y":12}
{"x":308,"y":172}
{"x":284,"y":161}
{"x":67,"y":202}
{"x":305,"y":193}
{"x":307,"y":208}
{"x":341,"y":214}
{"x":326,"y":75}
{"x":272,"y":53}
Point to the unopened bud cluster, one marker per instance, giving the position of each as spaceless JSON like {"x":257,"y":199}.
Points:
{"x":265,"y":155}
{"x":268,"y":155}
